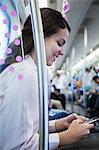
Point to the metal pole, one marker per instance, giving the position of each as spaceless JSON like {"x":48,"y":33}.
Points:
{"x":72,"y":60}
{"x":84,"y":65}
{"x":42,"y":73}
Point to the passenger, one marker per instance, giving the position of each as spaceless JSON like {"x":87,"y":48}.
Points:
{"x":19,"y":104}
{"x":93,"y":99}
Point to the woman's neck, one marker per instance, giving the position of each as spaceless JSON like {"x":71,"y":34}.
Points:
{"x":33,"y":55}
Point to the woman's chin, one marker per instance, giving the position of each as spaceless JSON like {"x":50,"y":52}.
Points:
{"x":50,"y":63}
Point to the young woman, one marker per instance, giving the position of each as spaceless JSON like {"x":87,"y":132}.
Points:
{"x":19,"y":114}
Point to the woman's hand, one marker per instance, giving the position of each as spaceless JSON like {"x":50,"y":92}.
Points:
{"x":76,"y":131}
{"x":63,"y":123}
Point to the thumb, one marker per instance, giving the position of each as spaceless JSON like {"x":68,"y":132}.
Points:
{"x":91,"y":126}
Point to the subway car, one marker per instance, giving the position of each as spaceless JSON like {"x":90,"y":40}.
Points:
{"x":49,"y":74}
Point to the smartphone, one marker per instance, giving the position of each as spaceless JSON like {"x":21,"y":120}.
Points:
{"x":92,"y":120}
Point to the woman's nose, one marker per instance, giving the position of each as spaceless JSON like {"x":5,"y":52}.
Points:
{"x":61,"y":51}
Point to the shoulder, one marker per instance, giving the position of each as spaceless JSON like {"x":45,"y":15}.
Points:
{"x":18,"y":72}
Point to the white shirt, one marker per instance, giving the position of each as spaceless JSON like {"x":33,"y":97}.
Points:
{"x":19,"y":113}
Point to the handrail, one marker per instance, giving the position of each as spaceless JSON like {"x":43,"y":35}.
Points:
{"x":42,"y":73}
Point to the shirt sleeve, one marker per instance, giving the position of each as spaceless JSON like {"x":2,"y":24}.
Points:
{"x":53,"y":141}
{"x":52,"y":126}
{"x":19,"y":120}
{"x":19,"y":96}
{"x":53,"y":137}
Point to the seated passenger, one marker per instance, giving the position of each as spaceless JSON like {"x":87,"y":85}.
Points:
{"x":19,"y":101}
{"x":93,"y":99}
{"x":57,"y":95}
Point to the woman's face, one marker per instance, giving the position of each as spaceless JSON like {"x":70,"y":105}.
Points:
{"x":54,"y":45}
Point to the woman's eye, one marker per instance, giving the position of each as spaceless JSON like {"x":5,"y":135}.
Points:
{"x":61,"y":43}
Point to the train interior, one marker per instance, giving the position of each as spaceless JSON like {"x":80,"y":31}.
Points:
{"x":74,"y":77}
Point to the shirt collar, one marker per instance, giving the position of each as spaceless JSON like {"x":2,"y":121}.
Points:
{"x":31,"y":62}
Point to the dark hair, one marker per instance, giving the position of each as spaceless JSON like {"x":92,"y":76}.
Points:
{"x":95,"y":77}
{"x":52,"y":21}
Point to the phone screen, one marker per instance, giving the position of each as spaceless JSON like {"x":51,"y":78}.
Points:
{"x":92,"y":120}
